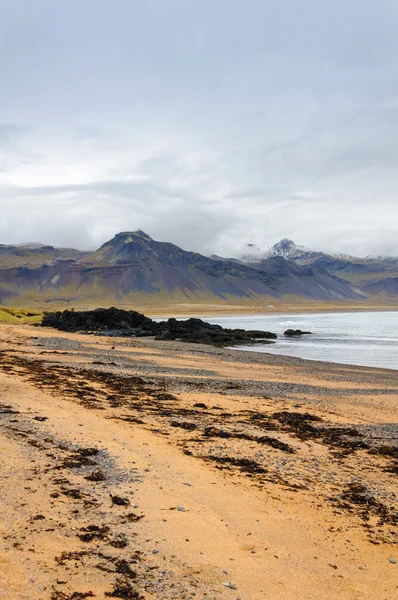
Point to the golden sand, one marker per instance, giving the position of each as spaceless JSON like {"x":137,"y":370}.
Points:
{"x":230,"y":500}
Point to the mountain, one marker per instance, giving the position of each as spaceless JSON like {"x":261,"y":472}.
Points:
{"x":290,"y":251}
{"x":133,"y":266}
{"x":285,"y":248}
{"x":307,"y":281}
{"x":361,"y":272}
{"x":34,"y":254}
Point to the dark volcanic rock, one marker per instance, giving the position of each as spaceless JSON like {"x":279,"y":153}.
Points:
{"x":128,"y":323}
{"x":101,"y":319}
{"x":296,"y":332}
{"x":198,"y":331}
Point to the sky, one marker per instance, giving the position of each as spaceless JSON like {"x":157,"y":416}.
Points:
{"x":208,"y":123}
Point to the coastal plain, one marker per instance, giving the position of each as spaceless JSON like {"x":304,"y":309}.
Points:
{"x":135,"y":468}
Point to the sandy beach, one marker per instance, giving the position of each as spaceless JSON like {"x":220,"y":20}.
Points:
{"x":145,"y":469}
{"x":186,"y":309}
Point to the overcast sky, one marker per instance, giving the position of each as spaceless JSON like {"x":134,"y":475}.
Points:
{"x":208,"y":123}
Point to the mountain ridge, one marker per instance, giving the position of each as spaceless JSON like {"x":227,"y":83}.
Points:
{"x":291,"y":251}
{"x":132,"y":264}
{"x":367,"y":273}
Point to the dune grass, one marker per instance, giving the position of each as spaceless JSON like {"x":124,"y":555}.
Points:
{"x":16,"y":315}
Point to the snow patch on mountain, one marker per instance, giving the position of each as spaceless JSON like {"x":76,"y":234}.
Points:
{"x":286,"y":248}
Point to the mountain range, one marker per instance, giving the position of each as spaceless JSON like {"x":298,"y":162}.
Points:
{"x":302,"y":255}
{"x":372,"y":274}
{"x":132,"y":267}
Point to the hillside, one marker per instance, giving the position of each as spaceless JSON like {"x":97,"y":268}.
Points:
{"x":387,"y":286}
{"x":133,"y":265}
{"x":312,"y":281}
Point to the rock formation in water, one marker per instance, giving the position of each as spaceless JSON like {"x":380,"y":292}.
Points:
{"x":296,"y":332}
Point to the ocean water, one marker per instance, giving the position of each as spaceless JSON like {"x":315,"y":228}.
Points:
{"x":364,"y":338}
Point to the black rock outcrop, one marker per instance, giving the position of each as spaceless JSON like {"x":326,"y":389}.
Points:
{"x":128,"y":323}
{"x":101,"y":319}
{"x":296,"y":332}
{"x":198,"y":331}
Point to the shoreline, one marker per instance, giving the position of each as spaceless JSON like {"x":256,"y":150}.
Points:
{"x":158,"y":310}
{"x":254,"y":311}
{"x":249,"y":348}
{"x":327,"y":363}
{"x":266,"y":449}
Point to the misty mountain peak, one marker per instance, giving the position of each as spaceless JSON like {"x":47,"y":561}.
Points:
{"x":285,"y":248}
{"x":285,"y":245}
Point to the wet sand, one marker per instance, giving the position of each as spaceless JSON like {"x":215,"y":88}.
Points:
{"x":143,"y":469}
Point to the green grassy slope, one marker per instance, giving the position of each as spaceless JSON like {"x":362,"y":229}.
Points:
{"x":15,"y":315}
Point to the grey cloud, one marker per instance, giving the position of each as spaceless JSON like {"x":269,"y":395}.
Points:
{"x":88,"y":133}
{"x":10,"y":133}
{"x":206,"y":123}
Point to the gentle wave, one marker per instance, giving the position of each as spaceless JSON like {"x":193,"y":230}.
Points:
{"x":365,"y":338}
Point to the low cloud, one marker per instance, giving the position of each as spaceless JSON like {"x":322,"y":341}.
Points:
{"x":207,"y":124}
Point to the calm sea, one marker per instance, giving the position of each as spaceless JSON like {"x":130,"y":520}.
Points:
{"x":365,"y":338}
